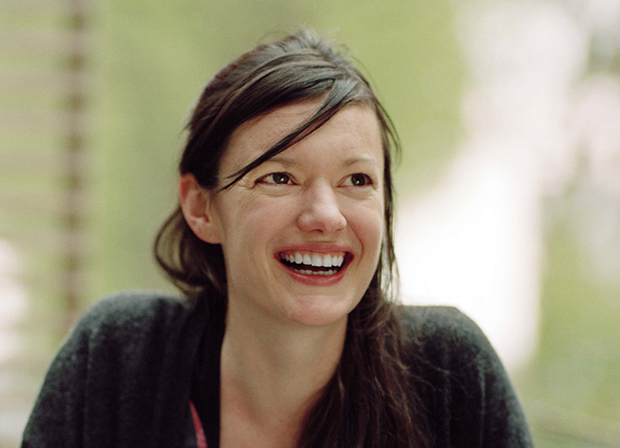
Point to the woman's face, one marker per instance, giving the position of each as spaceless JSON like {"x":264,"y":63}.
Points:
{"x":301,"y":234}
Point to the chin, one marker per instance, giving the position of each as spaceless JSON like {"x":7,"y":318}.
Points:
{"x":319,"y":311}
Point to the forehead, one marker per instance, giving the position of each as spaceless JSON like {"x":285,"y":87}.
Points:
{"x":353,"y":129}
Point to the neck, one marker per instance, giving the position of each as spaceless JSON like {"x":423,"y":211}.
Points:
{"x":272,"y":375}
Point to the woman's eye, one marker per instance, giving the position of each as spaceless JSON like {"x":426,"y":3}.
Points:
{"x":358,"y":180}
{"x":276,"y":178}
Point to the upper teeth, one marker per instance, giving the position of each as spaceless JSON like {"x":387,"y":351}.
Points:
{"x":326,"y":261}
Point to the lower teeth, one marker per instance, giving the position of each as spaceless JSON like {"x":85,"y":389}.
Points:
{"x":309,"y":272}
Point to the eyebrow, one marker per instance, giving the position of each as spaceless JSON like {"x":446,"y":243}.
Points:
{"x":293,"y":161}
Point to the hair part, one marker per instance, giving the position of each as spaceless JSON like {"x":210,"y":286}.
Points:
{"x":371,"y":401}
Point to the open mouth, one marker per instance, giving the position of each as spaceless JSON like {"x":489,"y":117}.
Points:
{"x":309,"y":263}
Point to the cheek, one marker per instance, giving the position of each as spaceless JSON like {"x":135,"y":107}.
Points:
{"x":374,"y":232}
{"x":368,"y":224}
{"x":251,"y":222}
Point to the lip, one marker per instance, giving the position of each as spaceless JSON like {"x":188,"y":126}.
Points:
{"x":320,"y":248}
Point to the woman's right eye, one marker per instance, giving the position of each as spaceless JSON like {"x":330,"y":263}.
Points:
{"x":275,"y":179}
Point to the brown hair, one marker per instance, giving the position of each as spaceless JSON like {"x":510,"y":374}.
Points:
{"x":371,"y":400}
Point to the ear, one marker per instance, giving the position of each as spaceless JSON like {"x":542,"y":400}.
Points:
{"x":196,"y":204}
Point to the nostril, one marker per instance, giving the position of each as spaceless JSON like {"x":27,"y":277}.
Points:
{"x":322,"y":221}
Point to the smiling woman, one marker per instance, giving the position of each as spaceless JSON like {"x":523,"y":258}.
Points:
{"x":302,"y":205}
{"x":288,"y":335}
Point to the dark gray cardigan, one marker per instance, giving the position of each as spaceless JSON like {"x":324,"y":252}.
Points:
{"x":124,"y":378}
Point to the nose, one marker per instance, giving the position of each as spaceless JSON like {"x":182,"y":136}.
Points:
{"x":321,"y":211}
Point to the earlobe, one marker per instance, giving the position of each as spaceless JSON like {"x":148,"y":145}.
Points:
{"x":196,"y":204}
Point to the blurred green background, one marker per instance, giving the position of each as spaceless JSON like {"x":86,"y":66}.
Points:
{"x":92,"y":109}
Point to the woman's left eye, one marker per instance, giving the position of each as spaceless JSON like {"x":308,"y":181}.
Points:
{"x":276,"y":179}
{"x":358,"y":180}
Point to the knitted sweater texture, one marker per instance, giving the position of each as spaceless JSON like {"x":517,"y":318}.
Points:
{"x":123,"y":378}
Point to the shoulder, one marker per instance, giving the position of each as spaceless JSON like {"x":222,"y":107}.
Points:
{"x":130,"y":320}
{"x":129,"y":309}
{"x":129,"y":353}
{"x":462,"y":381}
{"x":125,"y":336}
{"x":443,"y":330}
{"x":446,"y":345}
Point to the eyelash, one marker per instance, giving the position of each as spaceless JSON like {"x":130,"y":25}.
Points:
{"x":287,"y":178}
{"x":367,"y":180}
{"x":263,"y":180}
